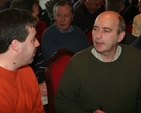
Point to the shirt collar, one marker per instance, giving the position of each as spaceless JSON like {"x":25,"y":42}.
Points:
{"x":97,"y":55}
{"x":70,"y":29}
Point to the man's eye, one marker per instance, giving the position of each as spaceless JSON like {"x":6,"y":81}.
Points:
{"x":106,"y":30}
{"x":58,"y":15}
{"x":95,"y":29}
{"x":66,"y":15}
{"x":33,"y":40}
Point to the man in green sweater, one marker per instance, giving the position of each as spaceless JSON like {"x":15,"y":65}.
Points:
{"x":105,"y":78}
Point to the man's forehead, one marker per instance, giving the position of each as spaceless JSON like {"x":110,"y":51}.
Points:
{"x":106,"y":22}
{"x":108,"y":17}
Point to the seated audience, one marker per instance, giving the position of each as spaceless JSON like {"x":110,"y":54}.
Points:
{"x":136,"y":30}
{"x":62,"y":33}
{"x":86,"y":13}
{"x":19,"y":90}
{"x":104,"y":78}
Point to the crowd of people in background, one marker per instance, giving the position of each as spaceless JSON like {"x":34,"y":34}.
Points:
{"x":63,"y":23}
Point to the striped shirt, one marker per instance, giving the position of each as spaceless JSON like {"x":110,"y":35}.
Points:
{"x":83,"y":18}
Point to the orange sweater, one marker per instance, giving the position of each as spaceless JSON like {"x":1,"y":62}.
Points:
{"x":19,"y":91}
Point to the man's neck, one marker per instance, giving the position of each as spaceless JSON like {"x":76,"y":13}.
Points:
{"x":107,"y":57}
{"x":7,"y":62}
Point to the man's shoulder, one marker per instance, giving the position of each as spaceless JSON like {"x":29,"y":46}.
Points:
{"x":27,"y":72}
{"x":127,"y":49}
{"x":26,"y":68}
{"x":50,"y":30}
{"x":138,"y":16}
{"x":84,"y":52}
{"x":81,"y":6}
{"x":82,"y":56}
{"x":81,"y":10}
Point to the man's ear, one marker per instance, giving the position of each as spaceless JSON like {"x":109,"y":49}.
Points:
{"x":121,"y":36}
{"x":15,"y":45}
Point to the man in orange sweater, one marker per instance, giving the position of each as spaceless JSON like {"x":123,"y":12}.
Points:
{"x":19,"y":90}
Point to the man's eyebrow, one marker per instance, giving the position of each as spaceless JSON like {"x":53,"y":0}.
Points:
{"x":107,"y":28}
{"x":95,"y":26}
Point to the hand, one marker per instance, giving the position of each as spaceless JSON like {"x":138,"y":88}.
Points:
{"x":43,"y":89}
{"x":98,"y":111}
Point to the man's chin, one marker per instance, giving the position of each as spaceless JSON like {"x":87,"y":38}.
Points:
{"x":99,"y":50}
{"x":31,"y":60}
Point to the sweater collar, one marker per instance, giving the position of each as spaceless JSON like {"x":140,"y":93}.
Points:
{"x":70,"y":29}
{"x":97,"y":55}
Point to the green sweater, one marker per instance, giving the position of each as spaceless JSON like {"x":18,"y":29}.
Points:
{"x":88,"y":83}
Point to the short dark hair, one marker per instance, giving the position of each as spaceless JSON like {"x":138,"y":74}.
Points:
{"x":63,"y":3}
{"x":13,"y":25}
{"x":114,"y":5}
{"x":24,"y":4}
{"x":121,"y":25}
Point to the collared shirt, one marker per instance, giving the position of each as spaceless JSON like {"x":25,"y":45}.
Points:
{"x":70,"y":29}
{"x":97,"y":55}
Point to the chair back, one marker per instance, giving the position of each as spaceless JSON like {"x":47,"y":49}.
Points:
{"x":54,"y":71}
